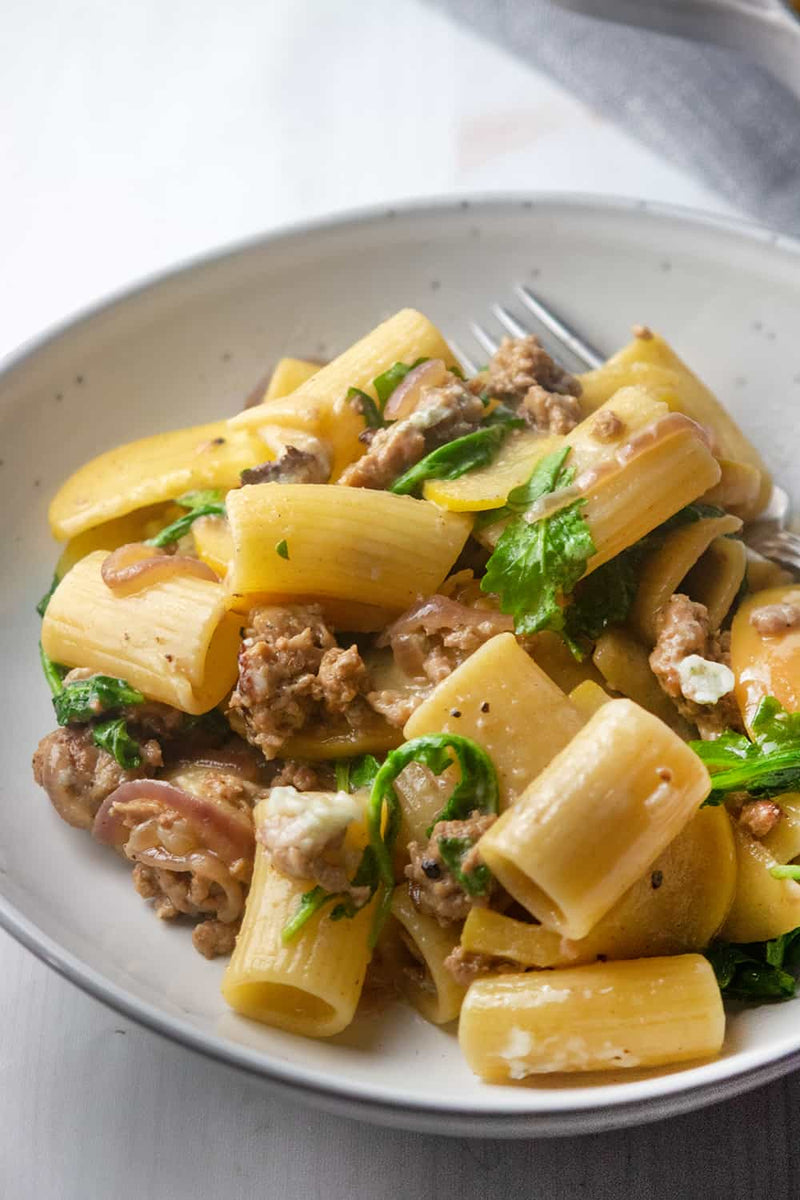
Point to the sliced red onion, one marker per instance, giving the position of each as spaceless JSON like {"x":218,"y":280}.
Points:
{"x":440,"y":612}
{"x":226,"y":831}
{"x":135,"y":565}
{"x":406,"y":396}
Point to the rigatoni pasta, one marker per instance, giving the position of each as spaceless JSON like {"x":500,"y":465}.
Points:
{"x":346,"y":544}
{"x":595,"y":819}
{"x":175,"y":641}
{"x":605,"y":1017}
{"x":392,"y":683}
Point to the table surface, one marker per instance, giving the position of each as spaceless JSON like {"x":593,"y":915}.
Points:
{"x":131,"y":136}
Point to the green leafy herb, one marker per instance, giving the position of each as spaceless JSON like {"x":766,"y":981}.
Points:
{"x":603,"y":599}
{"x":765,"y":766}
{"x":536,"y":565}
{"x":454,"y":850}
{"x":41,"y":607}
{"x":476,"y":789}
{"x":757,"y":971}
{"x":282,"y":548}
{"x":453,"y":459}
{"x":790,"y":871}
{"x":113,"y":737}
{"x":85,"y":699}
{"x":386,"y":383}
{"x":53,"y":672}
{"x":211,"y":724}
{"x":355,"y":773}
{"x":310,"y":902}
{"x":206,"y":502}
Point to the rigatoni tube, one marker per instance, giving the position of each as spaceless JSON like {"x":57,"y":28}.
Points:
{"x":176,"y":640}
{"x":321,"y":405}
{"x":416,"y":950}
{"x":340,"y":543}
{"x":502,"y":700}
{"x":592,"y":822}
{"x":604,"y":1017}
{"x":309,"y":985}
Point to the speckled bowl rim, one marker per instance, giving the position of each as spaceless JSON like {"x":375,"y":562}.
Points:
{"x":556,"y":1113}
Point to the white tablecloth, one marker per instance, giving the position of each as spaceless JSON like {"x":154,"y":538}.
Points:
{"x":131,"y":135}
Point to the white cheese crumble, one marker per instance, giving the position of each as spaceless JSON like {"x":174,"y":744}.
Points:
{"x":428,"y":416}
{"x":304,"y":821}
{"x":704,"y":681}
{"x":526,"y":1055}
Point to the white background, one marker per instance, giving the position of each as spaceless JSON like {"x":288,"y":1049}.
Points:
{"x":132,"y":135}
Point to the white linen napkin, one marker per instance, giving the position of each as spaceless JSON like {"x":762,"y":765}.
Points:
{"x":709,"y":110}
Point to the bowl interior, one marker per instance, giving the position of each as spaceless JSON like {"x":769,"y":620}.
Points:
{"x":189,"y":348}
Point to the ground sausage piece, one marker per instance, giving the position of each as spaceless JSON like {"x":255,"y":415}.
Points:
{"x":214,"y":938}
{"x":760,"y":817}
{"x":291,"y":672}
{"x":304,"y":776}
{"x":523,"y":373}
{"x":293,"y":466}
{"x":773,"y":619}
{"x":343,"y":677}
{"x":431,"y":886}
{"x":441,"y":415}
{"x":465,"y":966}
{"x":682,"y":629}
{"x":77,"y":775}
{"x":550,"y":412}
{"x":607,"y":426}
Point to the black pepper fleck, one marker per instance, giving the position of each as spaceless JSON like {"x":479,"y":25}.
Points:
{"x":79,"y":380}
{"x":431,"y":868}
{"x":656,"y":880}
{"x":485,"y":706}
{"x":455,"y":712}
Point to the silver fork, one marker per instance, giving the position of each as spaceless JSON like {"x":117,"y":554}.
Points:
{"x":767,"y":535}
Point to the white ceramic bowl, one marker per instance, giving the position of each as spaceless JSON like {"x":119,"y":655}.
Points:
{"x":187,"y":347}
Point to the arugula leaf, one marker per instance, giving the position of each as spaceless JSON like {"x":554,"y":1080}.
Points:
{"x":113,"y":737}
{"x":85,"y":699}
{"x":41,"y":607}
{"x":386,"y":383}
{"x":363,"y":771}
{"x":453,"y":851}
{"x":603,"y":599}
{"x":765,"y":766}
{"x":355,"y":773}
{"x":757,"y":971}
{"x":536,"y":565}
{"x":477,"y":789}
{"x":310,"y":902}
{"x":206,"y":502}
{"x":453,"y":459}
{"x":53,"y":672}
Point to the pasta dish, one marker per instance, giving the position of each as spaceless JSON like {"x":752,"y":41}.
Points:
{"x":465,"y":690}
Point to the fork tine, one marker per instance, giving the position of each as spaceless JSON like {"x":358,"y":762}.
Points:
{"x":581,"y":349}
{"x":481,"y":335}
{"x":467,"y":362}
{"x":509,"y":321}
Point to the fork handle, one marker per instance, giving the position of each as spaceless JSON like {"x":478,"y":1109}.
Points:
{"x":768,"y":34}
